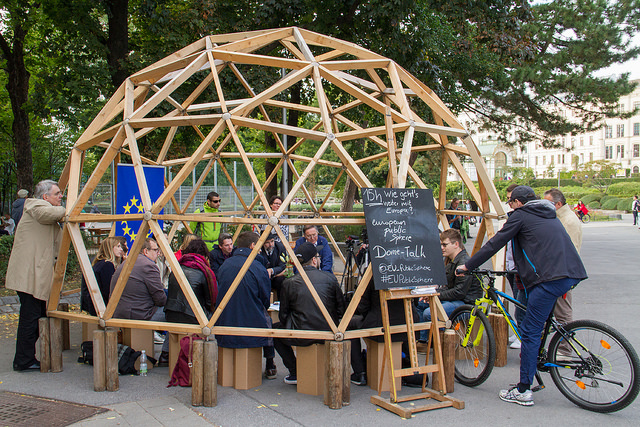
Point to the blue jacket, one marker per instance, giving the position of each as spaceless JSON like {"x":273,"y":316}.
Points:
{"x":326,"y":256}
{"x":542,"y":249}
{"x":248,"y":306}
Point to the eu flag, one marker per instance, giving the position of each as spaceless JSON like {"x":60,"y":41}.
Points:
{"x":128,"y":197}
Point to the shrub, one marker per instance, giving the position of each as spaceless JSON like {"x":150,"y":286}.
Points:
{"x":578,"y":193}
{"x":604,"y":199}
{"x":611,"y":203}
{"x":593,"y":205}
{"x":624,"y":205}
{"x":627,"y":189}
{"x":6,"y":243}
{"x":590,"y":198}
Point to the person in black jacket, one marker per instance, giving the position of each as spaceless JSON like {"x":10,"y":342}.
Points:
{"x":549,"y":266}
{"x":221,"y":252}
{"x":18,"y":205}
{"x":110,"y":255}
{"x":298,"y":309}
{"x":275,"y":254}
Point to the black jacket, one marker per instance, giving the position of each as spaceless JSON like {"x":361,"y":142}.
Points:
{"x":16,"y":210}
{"x":276,"y":259}
{"x":542,"y":249}
{"x":216,"y":258}
{"x":177,"y":302}
{"x":460,"y":288}
{"x":298,"y":309}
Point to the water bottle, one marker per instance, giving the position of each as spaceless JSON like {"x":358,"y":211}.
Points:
{"x":143,"y":364}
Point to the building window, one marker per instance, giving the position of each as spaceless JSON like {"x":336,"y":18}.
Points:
{"x":636,"y":150}
{"x":544,"y":160}
{"x":591,"y":156}
{"x":581,"y":157}
{"x":536,"y":160}
{"x":582,"y":141}
{"x":620,"y":131}
{"x":636,"y":105}
{"x":636,"y":129}
{"x":608,"y":131}
{"x":635,"y":169}
{"x":591,"y":140}
{"x":620,"y":151}
{"x":608,"y":152}
{"x":563,"y":159}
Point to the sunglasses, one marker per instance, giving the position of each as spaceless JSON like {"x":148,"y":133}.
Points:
{"x":216,"y":201}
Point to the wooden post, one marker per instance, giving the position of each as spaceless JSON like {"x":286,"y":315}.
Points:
{"x":45,"y":346}
{"x":333,"y":385}
{"x":197,"y":372}
{"x":111,"y":359}
{"x":66,"y":338}
{"x":501,"y":333}
{"x":346,"y":373}
{"x":56,"y":344}
{"x":448,"y":361}
{"x":210,"y":375}
{"x":99,"y":372}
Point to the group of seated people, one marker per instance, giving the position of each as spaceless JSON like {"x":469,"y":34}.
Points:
{"x":212,"y":273}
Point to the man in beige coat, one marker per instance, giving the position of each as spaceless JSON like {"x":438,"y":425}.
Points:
{"x":563,"y":311}
{"x":30,"y":270}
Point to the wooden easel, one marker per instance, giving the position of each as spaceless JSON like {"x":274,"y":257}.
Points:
{"x":440,"y":400}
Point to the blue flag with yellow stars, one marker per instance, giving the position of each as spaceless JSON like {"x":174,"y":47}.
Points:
{"x":128,"y":197}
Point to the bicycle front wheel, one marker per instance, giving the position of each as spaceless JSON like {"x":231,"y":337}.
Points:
{"x":606,"y":378}
{"x":474,"y":362}
{"x":586,"y":218}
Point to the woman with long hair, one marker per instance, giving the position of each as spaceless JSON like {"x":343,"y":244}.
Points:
{"x":110,"y":255}
{"x":188,"y":238}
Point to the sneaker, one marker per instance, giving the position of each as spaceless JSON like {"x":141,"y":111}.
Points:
{"x":512,"y":338}
{"x":158,"y":338}
{"x":271,"y":373}
{"x":359,"y":379}
{"x":291,"y":379}
{"x":514,"y":396}
{"x":516,"y":344}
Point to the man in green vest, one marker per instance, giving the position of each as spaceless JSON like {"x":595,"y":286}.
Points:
{"x":209,"y":231}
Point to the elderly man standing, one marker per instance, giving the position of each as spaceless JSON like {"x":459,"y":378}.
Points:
{"x":563,"y":310}
{"x":310,"y":234}
{"x":30,"y":270}
{"x":144,"y":291}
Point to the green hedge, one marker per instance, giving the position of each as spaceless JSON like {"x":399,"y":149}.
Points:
{"x":593,"y":205}
{"x":553,"y":183}
{"x":611,"y":203}
{"x":591,"y":198}
{"x":625,"y":205}
{"x":627,"y":189}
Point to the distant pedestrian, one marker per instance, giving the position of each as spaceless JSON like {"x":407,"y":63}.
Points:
{"x":634,"y":207}
{"x":18,"y":204}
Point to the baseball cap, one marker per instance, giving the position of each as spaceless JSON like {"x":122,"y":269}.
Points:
{"x":524,"y":193}
{"x":23,"y":193}
{"x":305,"y":252}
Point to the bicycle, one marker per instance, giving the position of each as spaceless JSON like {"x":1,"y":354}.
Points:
{"x":585,"y":218}
{"x":591,"y":363}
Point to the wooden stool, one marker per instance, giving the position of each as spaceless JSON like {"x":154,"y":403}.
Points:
{"x":310,"y":369}
{"x":174,"y":349}
{"x":375,"y":353}
{"x":139,"y":339}
{"x":240,"y":368}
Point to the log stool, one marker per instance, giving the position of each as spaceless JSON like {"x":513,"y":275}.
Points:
{"x":139,"y":339}
{"x":375,"y":354}
{"x":240,"y":368}
{"x":310,"y":369}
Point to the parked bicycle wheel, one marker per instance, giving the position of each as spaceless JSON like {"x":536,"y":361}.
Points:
{"x":585,"y":218}
{"x":473,"y":363}
{"x":607,"y":380}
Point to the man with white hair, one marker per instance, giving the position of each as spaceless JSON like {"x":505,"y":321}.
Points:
{"x":31,"y":265}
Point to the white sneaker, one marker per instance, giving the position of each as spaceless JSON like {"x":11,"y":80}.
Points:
{"x":514,"y":396}
{"x":158,"y":338}
{"x":512,"y":338}
{"x":515,"y":344}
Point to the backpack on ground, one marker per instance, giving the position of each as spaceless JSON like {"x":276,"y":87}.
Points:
{"x":87,"y":352}
{"x":181,"y":374}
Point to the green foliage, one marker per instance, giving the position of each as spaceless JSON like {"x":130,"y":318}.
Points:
{"x":598,"y":174}
{"x":6,"y":243}
{"x":624,"y":205}
{"x":593,"y":205}
{"x":578,"y":193}
{"x":587,"y":199}
{"x":627,"y":189}
{"x":611,"y":203}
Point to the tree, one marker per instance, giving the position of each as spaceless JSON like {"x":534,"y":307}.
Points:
{"x":598,"y":174}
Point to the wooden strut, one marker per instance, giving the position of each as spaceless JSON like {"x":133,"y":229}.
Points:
{"x":437,"y":398}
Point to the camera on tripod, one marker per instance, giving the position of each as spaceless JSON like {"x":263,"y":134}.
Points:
{"x":352,"y":241}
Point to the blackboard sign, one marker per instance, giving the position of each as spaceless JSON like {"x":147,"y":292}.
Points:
{"x":404,"y":240}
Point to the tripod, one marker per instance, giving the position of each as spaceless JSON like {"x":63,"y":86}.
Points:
{"x":349,"y":282}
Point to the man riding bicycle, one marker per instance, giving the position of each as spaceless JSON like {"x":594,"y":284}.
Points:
{"x":549,"y":266}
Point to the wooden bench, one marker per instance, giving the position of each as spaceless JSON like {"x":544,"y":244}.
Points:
{"x":174,"y":349}
{"x":375,"y":353}
{"x":310,"y":369}
{"x":240,"y":368}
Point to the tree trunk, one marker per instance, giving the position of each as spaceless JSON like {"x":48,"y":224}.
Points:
{"x":118,"y":41}
{"x":18,"y":89}
{"x":269,"y":165}
{"x":348,"y":196}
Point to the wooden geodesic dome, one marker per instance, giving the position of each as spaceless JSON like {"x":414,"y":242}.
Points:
{"x":188,"y":90}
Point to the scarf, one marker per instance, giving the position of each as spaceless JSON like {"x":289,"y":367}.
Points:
{"x":198,"y":262}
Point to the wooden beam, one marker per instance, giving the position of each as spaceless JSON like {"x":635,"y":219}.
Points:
{"x":87,"y":270}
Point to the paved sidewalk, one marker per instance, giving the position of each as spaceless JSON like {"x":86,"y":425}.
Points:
{"x":11,"y":304}
{"x":610,"y":252}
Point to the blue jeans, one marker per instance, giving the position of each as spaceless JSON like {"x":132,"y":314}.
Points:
{"x":542,"y":298}
{"x":521,"y":296}
{"x":425,"y":313}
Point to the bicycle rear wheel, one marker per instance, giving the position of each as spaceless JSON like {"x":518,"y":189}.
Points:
{"x":586,"y":218}
{"x":607,"y":380}
{"x":473,"y":363}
